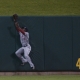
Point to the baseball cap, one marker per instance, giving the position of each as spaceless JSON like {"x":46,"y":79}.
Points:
{"x":25,"y":28}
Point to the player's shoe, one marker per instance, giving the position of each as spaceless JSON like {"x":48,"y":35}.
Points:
{"x":33,"y":67}
{"x":24,"y":61}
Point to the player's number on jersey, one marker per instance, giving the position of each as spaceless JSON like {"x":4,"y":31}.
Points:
{"x":78,"y":63}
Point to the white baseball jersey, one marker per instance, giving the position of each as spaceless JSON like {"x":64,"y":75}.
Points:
{"x":24,"y":39}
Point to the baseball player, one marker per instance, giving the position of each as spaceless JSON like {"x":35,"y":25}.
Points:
{"x":24,"y":38}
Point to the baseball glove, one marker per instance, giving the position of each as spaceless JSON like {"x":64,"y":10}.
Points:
{"x":15,"y":17}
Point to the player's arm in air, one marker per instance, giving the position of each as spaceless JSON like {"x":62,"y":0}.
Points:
{"x":15,"y":17}
{"x":18,"y":28}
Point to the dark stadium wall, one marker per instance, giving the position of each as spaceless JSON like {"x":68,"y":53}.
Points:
{"x":76,"y":43}
{"x":7,"y":44}
{"x":58,"y":43}
{"x":55,"y":42}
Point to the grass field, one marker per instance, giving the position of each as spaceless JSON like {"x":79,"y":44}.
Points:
{"x":40,"y":7}
{"x":50,"y":77}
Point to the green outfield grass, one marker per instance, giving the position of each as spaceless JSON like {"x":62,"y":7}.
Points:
{"x":40,"y":7}
{"x":50,"y":77}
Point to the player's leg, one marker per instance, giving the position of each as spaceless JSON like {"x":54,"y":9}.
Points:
{"x":18,"y":54}
{"x":26,"y":55}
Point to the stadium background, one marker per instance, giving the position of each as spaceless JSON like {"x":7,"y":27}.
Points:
{"x":35,"y":8}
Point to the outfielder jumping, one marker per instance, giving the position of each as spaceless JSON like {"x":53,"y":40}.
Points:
{"x":24,"y":38}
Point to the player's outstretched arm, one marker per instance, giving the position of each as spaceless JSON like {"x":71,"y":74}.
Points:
{"x":15,"y":18}
{"x":18,"y":28}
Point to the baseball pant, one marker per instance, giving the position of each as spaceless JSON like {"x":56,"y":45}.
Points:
{"x":26,"y":50}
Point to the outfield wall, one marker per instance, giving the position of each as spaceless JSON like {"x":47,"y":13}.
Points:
{"x":55,"y":42}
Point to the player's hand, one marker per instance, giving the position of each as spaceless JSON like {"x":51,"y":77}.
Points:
{"x":15,"y":17}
